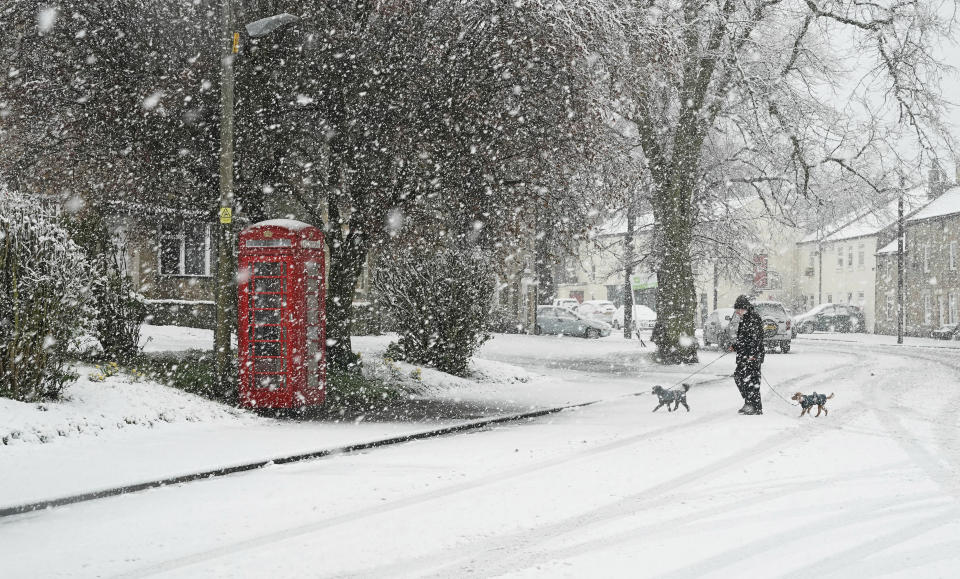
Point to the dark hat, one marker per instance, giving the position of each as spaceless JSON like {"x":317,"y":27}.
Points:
{"x":742,"y":303}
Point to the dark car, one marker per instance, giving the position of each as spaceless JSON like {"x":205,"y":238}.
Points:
{"x":947,"y":332}
{"x":830,"y":318}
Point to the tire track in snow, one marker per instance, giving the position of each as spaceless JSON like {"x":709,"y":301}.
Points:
{"x":504,"y":554}
{"x":415,"y":500}
{"x":772,"y":493}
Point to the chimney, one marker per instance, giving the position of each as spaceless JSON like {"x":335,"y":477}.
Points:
{"x":937,"y":181}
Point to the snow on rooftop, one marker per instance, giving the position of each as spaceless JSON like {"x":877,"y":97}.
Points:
{"x":946,"y":204}
{"x":889,"y":248}
{"x":291,"y":224}
{"x":872,"y":222}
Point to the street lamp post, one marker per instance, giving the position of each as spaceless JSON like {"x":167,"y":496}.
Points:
{"x":226,"y":279}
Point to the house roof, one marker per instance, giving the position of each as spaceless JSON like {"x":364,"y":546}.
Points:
{"x":888,"y":248}
{"x":946,"y":204}
{"x":862,"y":224}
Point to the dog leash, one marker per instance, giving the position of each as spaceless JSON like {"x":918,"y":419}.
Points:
{"x":702,"y":368}
{"x":777,"y":393}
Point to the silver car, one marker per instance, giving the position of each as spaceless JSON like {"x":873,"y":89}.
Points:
{"x":560,"y":320}
{"x":776,"y":325}
{"x":717,"y":330}
{"x":721,"y":326}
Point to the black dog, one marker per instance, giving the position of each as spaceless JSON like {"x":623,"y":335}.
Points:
{"x":676,"y":397}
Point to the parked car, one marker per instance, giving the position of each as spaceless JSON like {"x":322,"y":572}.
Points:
{"x":830,"y":318}
{"x":858,"y":322}
{"x":643,"y":317}
{"x":947,"y":332}
{"x":569,"y":303}
{"x":600,"y":310}
{"x":560,"y":320}
{"x":776,"y":325}
{"x":717,"y":328}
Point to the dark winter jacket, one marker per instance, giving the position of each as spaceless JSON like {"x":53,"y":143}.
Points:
{"x":749,"y":341}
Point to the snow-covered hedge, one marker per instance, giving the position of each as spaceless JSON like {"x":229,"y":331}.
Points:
{"x":44,"y":299}
{"x":440,"y":301}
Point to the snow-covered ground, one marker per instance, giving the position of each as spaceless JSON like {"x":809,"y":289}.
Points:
{"x":606,"y":490}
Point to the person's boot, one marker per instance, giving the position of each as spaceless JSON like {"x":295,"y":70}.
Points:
{"x":746,"y":409}
{"x":752,"y":410}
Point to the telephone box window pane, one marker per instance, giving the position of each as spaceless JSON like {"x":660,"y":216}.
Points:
{"x":268,"y":365}
{"x":266,"y":333}
{"x":313,"y":364}
{"x":266,"y":317}
{"x":269,"y":284}
{"x":267,"y":349}
{"x":270,"y":381}
{"x":269,"y":301}
{"x":170,"y":255}
{"x":268,"y":269}
{"x":312,"y":269}
{"x":313,"y":309}
{"x":195,"y":250}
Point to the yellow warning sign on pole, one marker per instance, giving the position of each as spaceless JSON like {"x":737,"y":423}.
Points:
{"x":236,"y":42}
{"x":226,"y":215}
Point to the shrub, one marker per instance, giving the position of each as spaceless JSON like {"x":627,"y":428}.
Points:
{"x":120,"y":309}
{"x":440,"y":301}
{"x":44,"y":300}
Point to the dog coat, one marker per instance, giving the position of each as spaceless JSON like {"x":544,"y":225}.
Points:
{"x":813,"y":399}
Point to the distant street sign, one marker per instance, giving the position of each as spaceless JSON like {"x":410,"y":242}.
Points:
{"x":226,"y":215}
{"x":641,"y":282}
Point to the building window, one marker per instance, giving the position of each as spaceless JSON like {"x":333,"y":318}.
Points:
{"x":861,"y":256}
{"x":891,"y":307}
{"x":850,"y":297}
{"x":860,"y":298}
{"x":839,"y":258}
{"x":850,"y":257}
{"x":954,"y":315}
{"x":927,"y":309}
{"x":810,"y":260}
{"x":185,"y":250}
{"x":926,"y":259}
{"x":953,"y":255}
{"x":829,"y":298}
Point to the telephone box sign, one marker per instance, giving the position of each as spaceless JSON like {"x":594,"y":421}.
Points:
{"x":281,"y":330}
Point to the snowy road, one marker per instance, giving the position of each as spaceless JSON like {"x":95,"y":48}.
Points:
{"x":609,"y":490}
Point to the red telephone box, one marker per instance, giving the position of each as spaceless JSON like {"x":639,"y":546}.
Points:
{"x":281,"y":331}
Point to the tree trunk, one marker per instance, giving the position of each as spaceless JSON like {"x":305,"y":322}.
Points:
{"x":546,"y":285}
{"x":628,"y":272}
{"x":346,"y":265}
{"x":676,"y":293}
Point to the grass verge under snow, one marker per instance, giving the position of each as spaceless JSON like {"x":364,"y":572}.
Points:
{"x":119,"y":402}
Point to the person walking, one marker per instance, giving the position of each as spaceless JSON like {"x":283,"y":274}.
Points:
{"x":749,"y":349}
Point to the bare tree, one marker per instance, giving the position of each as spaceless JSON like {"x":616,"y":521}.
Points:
{"x":744,"y":94}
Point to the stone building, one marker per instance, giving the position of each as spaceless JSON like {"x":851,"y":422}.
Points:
{"x":931,"y":269}
{"x":838,"y":264}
